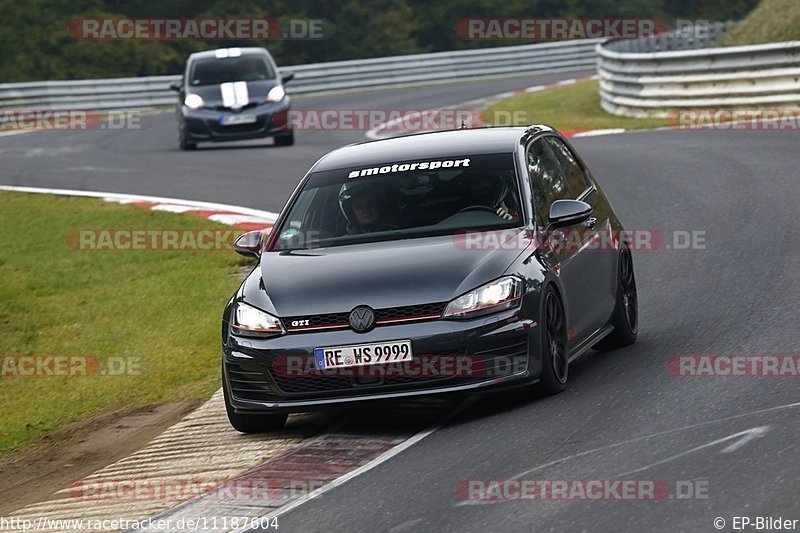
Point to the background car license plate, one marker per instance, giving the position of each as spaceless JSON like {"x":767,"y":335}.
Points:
{"x":362,"y":354}
{"x":232,"y":120}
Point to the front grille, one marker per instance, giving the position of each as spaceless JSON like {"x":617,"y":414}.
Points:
{"x":249,"y":105}
{"x":389,"y":315}
{"x":328,"y":321}
{"x":413,"y":312}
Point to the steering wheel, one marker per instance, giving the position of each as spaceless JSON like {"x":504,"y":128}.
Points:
{"x":477,"y":208}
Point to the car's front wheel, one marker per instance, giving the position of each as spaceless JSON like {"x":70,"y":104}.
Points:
{"x":284,"y":139}
{"x":183,"y":141}
{"x":555,"y":358}
{"x":626,"y":311}
{"x":260,"y":423}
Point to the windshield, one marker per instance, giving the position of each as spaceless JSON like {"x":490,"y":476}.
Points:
{"x":213,"y":70}
{"x":397,"y":200}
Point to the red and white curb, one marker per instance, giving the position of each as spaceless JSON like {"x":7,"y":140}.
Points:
{"x":243,"y":218}
{"x":392,"y":128}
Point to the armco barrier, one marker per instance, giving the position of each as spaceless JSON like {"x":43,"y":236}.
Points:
{"x":132,"y":93}
{"x":650,"y":77}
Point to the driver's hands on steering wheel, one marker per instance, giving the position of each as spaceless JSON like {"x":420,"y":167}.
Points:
{"x":504,"y":213}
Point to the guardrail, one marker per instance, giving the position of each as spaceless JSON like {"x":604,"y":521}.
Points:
{"x":132,"y":93}
{"x":648,"y":78}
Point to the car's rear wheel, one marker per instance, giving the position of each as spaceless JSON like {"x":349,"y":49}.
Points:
{"x":555,"y":359}
{"x":284,"y":139}
{"x":260,"y":423}
{"x":625,"y":318}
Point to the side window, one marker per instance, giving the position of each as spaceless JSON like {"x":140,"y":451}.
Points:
{"x":576,"y":179}
{"x":547,"y":180}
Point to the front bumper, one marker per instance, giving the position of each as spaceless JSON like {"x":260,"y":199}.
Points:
{"x":500,"y":351}
{"x":205,"y":124}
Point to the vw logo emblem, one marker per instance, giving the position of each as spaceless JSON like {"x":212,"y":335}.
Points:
{"x":362,"y":318}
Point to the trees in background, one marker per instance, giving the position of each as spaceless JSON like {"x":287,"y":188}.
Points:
{"x":35,"y":43}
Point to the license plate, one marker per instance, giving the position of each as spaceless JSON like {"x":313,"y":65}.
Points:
{"x":232,"y":120}
{"x":362,"y":354}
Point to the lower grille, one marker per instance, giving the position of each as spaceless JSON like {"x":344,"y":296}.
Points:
{"x":258,"y":125}
{"x":317,"y":381}
{"x":249,"y":381}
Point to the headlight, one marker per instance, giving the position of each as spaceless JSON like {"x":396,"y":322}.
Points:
{"x":251,"y":322}
{"x":276,"y":94}
{"x":497,"y":295}
{"x":193,"y":101}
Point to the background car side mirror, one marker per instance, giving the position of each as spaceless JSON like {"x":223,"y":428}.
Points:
{"x":175,"y":86}
{"x":287,"y":77}
{"x":568,"y":212}
{"x":249,"y":244}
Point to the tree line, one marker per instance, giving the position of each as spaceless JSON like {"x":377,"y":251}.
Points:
{"x":36,"y":41}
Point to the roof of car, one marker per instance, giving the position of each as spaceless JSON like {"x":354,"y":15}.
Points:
{"x":432,"y":145}
{"x":236,"y":51}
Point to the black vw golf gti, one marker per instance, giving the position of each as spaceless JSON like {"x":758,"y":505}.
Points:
{"x":433,"y":263}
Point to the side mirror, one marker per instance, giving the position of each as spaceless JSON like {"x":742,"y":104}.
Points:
{"x":175,"y":86}
{"x":568,"y":212}
{"x":287,"y":77}
{"x":249,"y":244}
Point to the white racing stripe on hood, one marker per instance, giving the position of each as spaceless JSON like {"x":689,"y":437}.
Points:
{"x":234,"y":94}
{"x":240,"y":92}
{"x":228,"y":96}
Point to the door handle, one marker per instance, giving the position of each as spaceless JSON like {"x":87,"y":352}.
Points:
{"x":590,"y":222}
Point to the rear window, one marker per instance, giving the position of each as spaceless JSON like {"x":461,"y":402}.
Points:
{"x":399,"y":200}
{"x":213,"y":70}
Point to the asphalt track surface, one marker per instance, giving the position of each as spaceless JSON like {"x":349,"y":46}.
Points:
{"x":623,"y":415}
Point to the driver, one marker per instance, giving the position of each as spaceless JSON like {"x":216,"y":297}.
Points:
{"x":492,"y":192}
{"x":366,"y":207}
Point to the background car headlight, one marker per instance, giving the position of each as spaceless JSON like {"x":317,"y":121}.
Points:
{"x":276,"y":94}
{"x":193,"y":101}
{"x":497,"y":295}
{"x":251,"y":322}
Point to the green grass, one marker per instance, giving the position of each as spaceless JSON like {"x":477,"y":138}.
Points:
{"x":771,"y":21}
{"x":568,"y":107}
{"x":162,"y":307}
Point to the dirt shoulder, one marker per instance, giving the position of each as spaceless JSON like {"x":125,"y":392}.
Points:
{"x":35,"y":474}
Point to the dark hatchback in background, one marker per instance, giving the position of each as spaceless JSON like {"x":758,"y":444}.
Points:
{"x":432,"y":254}
{"x":232,"y":94}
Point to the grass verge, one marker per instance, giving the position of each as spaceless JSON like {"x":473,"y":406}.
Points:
{"x":567,"y":107}
{"x":151,"y":315}
{"x":771,"y":21}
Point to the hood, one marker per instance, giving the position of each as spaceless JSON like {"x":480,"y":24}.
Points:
{"x":381,"y":275}
{"x":254,"y":92}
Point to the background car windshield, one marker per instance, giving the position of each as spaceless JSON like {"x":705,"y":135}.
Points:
{"x":334,"y":209}
{"x":212,"y":70}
